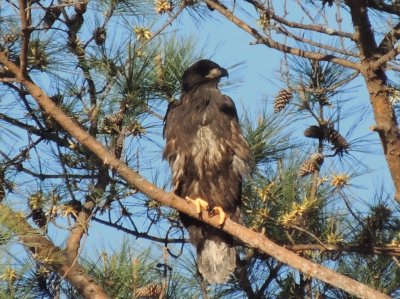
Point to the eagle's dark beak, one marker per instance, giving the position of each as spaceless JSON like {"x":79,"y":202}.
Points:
{"x":224,"y":72}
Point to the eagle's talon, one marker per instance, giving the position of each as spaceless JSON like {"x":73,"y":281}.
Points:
{"x":175,"y":188}
{"x":199,"y":204}
{"x":221,"y":215}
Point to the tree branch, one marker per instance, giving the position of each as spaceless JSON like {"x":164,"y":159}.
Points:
{"x":269,"y":42}
{"x":273,"y":272}
{"x":389,"y":39}
{"x":24,"y":13}
{"x":376,"y":82}
{"x":50,"y":255}
{"x":382,"y":6}
{"x":310,"y":42}
{"x":245,"y":235}
{"x":82,"y":221}
{"x":311,"y":27}
{"x":381,"y":61}
{"x":364,"y":36}
{"x":387,"y":250}
{"x":139,"y":234}
{"x":38,"y":132}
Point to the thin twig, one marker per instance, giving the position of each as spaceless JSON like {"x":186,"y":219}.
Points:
{"x":304,"y":40}
{"x":311,"y":27}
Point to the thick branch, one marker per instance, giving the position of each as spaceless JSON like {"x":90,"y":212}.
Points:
{"x":247,"y":236}
{"x":52,"y":256}
{"x":82,"y":221}
{"x":376,"y":81}
{"x":364,"y":36}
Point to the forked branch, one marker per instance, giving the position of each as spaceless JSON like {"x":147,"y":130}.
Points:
{"x":261,"y":39}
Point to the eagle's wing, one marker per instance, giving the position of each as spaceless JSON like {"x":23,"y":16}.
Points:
{"x":175,"y":144}
{"x":242,"y":161}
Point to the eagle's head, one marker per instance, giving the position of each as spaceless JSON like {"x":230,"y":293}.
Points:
{"x":202,"y":72}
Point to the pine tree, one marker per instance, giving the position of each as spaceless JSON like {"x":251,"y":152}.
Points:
{"x":113,"y":72}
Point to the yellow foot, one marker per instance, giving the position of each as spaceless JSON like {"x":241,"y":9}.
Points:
{"x":221,"y":214}
{"x":199,"y":203}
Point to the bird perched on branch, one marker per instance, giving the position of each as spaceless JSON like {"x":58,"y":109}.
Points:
{"x":209,"y":157}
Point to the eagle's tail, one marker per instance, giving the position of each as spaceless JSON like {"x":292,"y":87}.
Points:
{"x":216,"y":261}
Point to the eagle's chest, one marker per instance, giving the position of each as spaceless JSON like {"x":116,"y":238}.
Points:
{"x":207,"y":150}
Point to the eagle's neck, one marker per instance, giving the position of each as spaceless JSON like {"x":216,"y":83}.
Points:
{"x":202,"y":90}
{"x":200,"y":97}
{"x":202,"y":86}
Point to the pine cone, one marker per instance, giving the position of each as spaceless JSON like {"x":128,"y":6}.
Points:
{"x":9,"y":38}
{"x":339,"y":143}
{"x":311,"y":165}
{"x":39,"y":217}
{"x":135,"y":129}
{"x":36,"y":205}
{"x":80,"y":7}
{"x":150,"y":290}
{"x":324,"y":101}
{"x":100,"y":35}
{"x":51,"y":15}
{"x":162,"y":6}
{"x":314,"y":132}
{"x":282,"y":99}
{"x":112,"y":122}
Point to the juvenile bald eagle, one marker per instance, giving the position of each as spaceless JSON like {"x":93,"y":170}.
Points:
{"x":208,"y":156}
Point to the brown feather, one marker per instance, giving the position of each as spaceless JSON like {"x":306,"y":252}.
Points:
{"x":209,"y":157}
